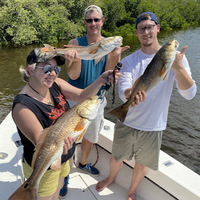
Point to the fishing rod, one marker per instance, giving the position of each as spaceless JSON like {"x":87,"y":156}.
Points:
{"x":104,"y":92}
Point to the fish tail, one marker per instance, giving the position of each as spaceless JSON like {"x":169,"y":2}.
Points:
{"x":24,"y":192}
{"x":120,"y":112}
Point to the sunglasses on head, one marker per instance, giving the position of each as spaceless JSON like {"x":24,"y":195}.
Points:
{"x":49,"y":68}
{"x":91,"y":20}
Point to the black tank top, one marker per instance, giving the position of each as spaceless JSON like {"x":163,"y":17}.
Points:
{"x":47,"y":116}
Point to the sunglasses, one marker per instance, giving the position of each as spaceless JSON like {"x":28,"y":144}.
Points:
{"x":49,"y":68}
{"x":91,"y":20}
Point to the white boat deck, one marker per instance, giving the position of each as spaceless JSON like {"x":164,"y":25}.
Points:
{"x":83,"y":185}
{"x":172,"y":181}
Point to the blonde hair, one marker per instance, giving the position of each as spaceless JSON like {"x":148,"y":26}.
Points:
{"x":24,"y":72}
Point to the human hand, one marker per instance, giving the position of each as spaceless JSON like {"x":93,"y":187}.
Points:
{"x":68,"y":144}
{"x":178,"y":59}
{"x":140,"y":97}
{"x":71,"y":55}
{"x":118,"y":50}
{"x":107,"y":76}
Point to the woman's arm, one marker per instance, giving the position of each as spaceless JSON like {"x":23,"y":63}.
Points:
{"x":78,"y":95}
{"x":27,"y":122}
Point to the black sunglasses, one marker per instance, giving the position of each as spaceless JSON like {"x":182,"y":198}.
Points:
{"x":91,"y":20}
{"x":49,"y":68}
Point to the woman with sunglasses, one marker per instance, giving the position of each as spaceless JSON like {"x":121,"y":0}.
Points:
{"x":40,"y":103}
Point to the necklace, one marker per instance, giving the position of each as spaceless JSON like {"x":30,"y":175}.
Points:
{"x":49,"y":101}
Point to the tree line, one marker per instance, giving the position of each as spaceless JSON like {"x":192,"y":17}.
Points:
{"x":25,"y":22}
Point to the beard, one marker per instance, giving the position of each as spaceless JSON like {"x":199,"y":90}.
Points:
{"x":147,"y":43}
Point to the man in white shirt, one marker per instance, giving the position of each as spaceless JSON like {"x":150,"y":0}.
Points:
{"x":141,"y":133}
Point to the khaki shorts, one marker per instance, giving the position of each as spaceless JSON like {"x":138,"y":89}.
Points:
{"x":143,"y":145}
{"x":92,"y":133}
{"x":49,"y":182}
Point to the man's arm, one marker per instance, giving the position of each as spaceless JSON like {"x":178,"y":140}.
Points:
{"x":73,"y":63}
{"x":114,"y":57}
{"x":185,"y":82}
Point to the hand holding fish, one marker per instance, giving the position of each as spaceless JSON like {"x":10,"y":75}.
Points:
{"x":72,"y":55}
{"x":118,"y":50}
{"x":68,"y":144}
{"x":140,"y":97}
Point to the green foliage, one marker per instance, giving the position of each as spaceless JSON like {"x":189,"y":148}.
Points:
{"x":76,"y":8}
{"x":131,"y":8}
{"x":190,"y":10}
{"x":24,"y":22}
{"x":126,"y":30}
{"x":114,"y":11}
{"x":37,"y":21}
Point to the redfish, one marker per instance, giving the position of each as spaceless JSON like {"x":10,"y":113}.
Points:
{"x":155,"y":72}
{"x":94,"y":51}
{"x":50,"y":145}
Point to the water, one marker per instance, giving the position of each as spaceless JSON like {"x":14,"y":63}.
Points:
{"x":181,"y":139}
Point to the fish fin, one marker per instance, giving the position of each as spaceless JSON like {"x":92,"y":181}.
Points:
{"x":165,"y":76}
{"x":97,"y":60}
{"x":72,"y":46}
{"x":24,"y":192}
{"x":93,"y":50}
{"x":39,"y":145}
{"x":91,"y":44}
{"x":56,"y":165}
{"x":163,"y":70}
{"x":120,"y":112}
{"x":81,"y":136}
{"x":50,"y":48}
{"x":80,"y":126}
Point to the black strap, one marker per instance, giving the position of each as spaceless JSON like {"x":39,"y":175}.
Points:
{"x":117,"y":67}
